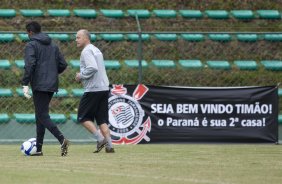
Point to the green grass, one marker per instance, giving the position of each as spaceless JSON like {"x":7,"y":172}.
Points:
{"x":145,"y":164}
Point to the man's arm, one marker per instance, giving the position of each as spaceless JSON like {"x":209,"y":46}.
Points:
{"x":30,"y":62}
{"x":91,"y":65}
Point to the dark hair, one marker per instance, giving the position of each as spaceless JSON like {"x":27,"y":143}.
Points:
{"x":33,"y":27}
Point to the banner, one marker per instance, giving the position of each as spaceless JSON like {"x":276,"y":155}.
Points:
{"x":151,"y":114}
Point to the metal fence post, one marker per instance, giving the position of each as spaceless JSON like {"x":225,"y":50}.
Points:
{"x":139,"y":49}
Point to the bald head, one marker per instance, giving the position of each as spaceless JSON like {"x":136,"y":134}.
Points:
{"x":83,"y":38}
{"x":85,"y":33}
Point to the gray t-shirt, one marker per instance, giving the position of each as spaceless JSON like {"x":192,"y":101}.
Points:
{"x":92,"y":70}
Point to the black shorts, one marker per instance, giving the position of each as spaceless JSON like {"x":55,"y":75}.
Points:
{"x":94,"y":106}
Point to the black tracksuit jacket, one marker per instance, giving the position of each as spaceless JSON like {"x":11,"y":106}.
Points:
{"x":43,"y":64}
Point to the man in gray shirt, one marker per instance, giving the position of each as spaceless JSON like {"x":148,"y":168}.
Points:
{"x":94,"y":102}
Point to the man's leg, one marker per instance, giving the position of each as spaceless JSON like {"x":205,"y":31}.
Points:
{"x":89,"y":125}
{"x":40,"y":132}
{"x":106,"y":133}
{"x":102,"y":119}
{"x":42,"y":100}
{"x":101,"y":141}
{"x":40,"y":129}
{"x":85,"y":115}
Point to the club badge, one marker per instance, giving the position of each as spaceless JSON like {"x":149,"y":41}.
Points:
{"x":126,"y":116}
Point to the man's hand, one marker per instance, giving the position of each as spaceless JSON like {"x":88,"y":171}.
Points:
{"x":77,"y":77}
{"x":26,"y":91}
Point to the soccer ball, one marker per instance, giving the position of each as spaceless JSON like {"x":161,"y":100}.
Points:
{"x":29,"y":147}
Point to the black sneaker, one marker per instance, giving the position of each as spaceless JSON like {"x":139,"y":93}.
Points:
{"x":37,"y":154}
{"x":101,"y":145}
{"x":64,"y":148}
{"x":109,"y":150}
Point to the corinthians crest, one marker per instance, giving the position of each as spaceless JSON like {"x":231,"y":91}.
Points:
{"x":126,"y":116}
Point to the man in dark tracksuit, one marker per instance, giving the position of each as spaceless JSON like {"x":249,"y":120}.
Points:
{"x":43,"y":64}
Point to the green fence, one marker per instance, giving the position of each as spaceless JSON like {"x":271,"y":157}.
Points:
{"x":177,"y":58}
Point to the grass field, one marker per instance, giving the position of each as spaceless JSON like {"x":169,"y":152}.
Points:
{"x":145,"y":164}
